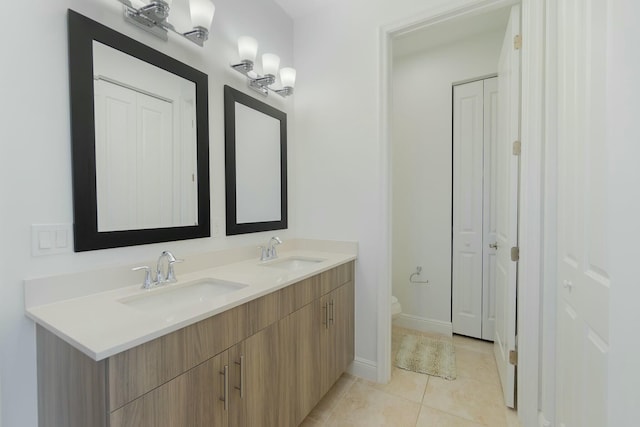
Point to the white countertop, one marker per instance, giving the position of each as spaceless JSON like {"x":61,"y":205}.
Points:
{"x":100,"y":325}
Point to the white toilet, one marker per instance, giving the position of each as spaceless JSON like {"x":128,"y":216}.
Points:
{"x":396,"y":308}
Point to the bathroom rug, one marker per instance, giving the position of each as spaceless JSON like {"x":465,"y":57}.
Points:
{"x":426,"y":355}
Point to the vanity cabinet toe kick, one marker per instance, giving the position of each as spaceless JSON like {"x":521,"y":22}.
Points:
{"x":265,"y":363}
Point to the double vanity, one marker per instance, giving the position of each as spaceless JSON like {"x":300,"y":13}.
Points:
{"x":238,"y":342}
{"x":225,"y":338}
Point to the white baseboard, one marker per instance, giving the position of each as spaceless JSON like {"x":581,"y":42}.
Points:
{"x":364,"y":368}
{"x":542,"y":420}
{"x":424,"y":325}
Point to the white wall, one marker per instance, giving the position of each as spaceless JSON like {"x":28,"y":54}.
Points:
{"x":623,"y":134}
{"x":422,"y":167}
{"x":35,"y":174}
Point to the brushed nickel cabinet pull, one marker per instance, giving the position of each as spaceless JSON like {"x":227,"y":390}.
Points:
{"x":333,"y":312}
{"x":241,"y":387}
{"x":225,"y":399}
{"x":326,"y":315}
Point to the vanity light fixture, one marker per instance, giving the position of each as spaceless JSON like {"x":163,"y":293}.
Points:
{"x":153,"y":16}
{"x":247,"y":50}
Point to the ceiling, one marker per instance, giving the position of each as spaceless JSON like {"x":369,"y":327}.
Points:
{"x":420,"y":39}
{"x":298,"y":8}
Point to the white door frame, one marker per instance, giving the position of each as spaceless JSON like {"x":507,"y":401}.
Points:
{"x":532,"y":271}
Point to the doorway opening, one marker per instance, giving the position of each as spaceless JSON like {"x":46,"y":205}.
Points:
{"x":537,"y":174}
{"x":421,"y":190}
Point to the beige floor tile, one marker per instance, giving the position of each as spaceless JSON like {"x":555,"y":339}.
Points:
{"x":473,"y":400}
{"x":467,"y":398}
{"x":430,"y":417}
{"x":460,"y":341}
{"x":323,"y":409}
{"x":406,"y":384}
{"x":512,"y":418}
{"x":366,"y":406}
{"x":311,"y":422}
{"x":477,"y":365}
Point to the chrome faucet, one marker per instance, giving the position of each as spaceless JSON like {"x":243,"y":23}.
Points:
{"x":269,"y":251}
{"x":161,"y":277}
{"x":170,"y":277}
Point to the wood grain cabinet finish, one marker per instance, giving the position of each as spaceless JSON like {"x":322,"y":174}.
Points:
{"x":195,"y":398}
{"x":337,"y":334}
{"x":265,"y":363}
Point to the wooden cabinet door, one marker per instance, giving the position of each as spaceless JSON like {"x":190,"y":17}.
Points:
{"x":344,"y":320}
{"x":337,"y":334}
{"x":195,"y":399}
{"x":305,"y":328}
{"x":328,"y":363}
{"x":268,"y":388}
{"x":208,"y":393}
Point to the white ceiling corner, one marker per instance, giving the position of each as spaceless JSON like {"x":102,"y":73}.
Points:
{"x":298,"y":8}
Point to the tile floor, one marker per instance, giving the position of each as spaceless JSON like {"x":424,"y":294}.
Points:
{"x":410,"y":399}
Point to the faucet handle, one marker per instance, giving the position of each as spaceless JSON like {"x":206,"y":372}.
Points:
{"x":264,"y":253}
{"x":147,"y":282}
{"x":171,"y":274}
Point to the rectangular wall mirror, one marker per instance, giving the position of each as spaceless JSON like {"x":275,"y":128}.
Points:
{"x":140,"y":141}
{"x":256,"y":164}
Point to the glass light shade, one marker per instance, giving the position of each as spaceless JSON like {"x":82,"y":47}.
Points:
{"x":270,"y":64}
{"x":247,"y":48}
{"x":139,"y":3}
{"x":288,"y":77}
{"x":201,"y":13}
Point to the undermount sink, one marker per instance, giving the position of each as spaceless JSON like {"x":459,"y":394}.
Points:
{"x":177,"y":297}
{"x":293,"y":263}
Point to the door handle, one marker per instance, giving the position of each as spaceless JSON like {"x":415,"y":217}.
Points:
{"x":493,"y":245}
{"x":567,"y":284}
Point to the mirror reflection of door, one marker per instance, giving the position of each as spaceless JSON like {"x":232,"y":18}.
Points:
{"x":145,"y":145}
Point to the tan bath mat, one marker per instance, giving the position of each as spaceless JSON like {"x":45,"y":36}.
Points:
{"x":428,"y":356}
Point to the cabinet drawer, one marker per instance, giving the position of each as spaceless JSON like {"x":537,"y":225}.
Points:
{"x":336,"y":277}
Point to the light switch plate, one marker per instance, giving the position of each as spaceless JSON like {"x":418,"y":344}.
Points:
{"x":50,"y":239}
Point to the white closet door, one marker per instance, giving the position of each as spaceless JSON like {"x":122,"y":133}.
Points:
{"x":134,"y":136}
{"x":468,"y":137}
{"x":186,"y":167}
{"x":583,"y":265}
{"x":116,"y":146}
{"x":507,"y":166}
{"x":489,"y":208}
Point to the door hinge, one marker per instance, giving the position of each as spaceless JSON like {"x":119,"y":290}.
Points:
{"x":515,"y":253}
{"x":513,"y":357}
{"x":517,"y":42}
{"x":517,"y":148}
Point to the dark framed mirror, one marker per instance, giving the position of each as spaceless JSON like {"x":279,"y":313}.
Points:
{"x":140,"y":141}
{"x":255,"y":164}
